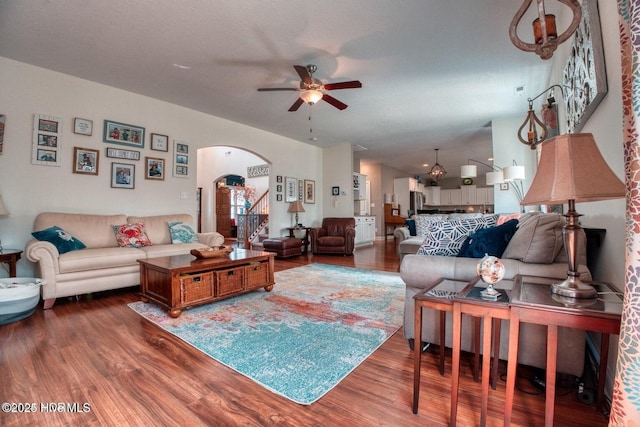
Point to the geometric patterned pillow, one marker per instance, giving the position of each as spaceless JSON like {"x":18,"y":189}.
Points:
{"x":131,"y":235}
{"x":424,"y":221}
{"x":182,"y":233}
{"x":446,"y":237}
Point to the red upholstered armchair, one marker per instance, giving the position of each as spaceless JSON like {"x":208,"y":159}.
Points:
{"x":336,"y":236}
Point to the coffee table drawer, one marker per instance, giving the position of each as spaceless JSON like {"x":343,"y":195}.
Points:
{"x":229,"y":281}
{"x":196,"y":287}
{"x":257,"y":274}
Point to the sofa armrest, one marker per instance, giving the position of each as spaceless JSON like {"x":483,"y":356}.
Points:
{"x":46,"y":255}
{"x":349,"y":237}
{"x":401,"y":233}
{"x":314,"y":234}
{"x":211,"y":239}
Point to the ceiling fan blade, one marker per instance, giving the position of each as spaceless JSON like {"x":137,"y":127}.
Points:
{"x":271,"y":89}
{"x":296,"y":104}
{"x":331,"y":100}
{"x":354,"y":84}
{"x":304,"y":74}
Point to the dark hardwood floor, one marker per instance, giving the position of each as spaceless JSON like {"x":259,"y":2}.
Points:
{"x":96,"y":350}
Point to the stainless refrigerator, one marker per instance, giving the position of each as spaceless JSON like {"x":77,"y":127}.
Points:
{"x":416,"y":202}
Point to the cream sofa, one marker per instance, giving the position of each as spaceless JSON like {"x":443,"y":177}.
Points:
{"x":541,"y":239}
{"x":102,"y":265}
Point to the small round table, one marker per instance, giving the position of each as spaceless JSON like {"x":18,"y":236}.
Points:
{"x":11,"y":257}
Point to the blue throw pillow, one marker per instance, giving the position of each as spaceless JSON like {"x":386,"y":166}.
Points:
{"x":62,"y":240}
{"x":182,"y":233}
{"x":489,"y":241}
{"x":411,"y":224}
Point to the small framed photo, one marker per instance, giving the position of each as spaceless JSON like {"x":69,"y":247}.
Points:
{"x":155,"y":168}
{"x":159,"y":142}
{"x":83,"y":126}
{"x":335,"y":191}
{"x":279,"y":188}
{"x":47,"y":140}
{"x":48,"y":124}
{"x":118,"y":153}
{"x":85,"y":161}
{"x":278,"y":178}
{"x":291,"y":189}
{"x":279,"y":197}
{"x":504,"y":186}
{"x":123,"y":175}
{"x":182,"y":171}
{"x":309,"y":191}
{"x":122,"y":133}
{"x":47,"y":156}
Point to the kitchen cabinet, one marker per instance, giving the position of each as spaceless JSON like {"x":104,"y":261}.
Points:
{"x":468,"y":194}
{"x":431,"y":196}
{"x":450,"y":197}
{"x":365,"y":230}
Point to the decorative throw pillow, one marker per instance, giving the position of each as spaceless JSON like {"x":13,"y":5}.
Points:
{"x":507,"y":217}
{"x":181,"y":233}
{"x":411,"y":225}
{"x":537,"y":240}
{"x":446,"y":237}
{"x":424,"y":221}
{"x":62,"y":240}
{"x":489,"y":241}
{"x":131,"y":235}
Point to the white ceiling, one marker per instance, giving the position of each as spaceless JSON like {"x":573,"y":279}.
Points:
{"x":434,"y":72}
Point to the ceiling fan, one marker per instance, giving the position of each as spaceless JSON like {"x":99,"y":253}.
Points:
{"x":313,"y":90}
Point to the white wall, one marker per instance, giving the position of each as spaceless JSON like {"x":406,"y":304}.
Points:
{"x":28,"y":189}
{"x":338,"y":172}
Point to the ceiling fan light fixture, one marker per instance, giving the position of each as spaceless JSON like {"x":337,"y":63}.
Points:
{"x":311,"y":96}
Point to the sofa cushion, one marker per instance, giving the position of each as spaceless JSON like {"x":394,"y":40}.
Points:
{"x":88,"y":260}
{"x":446,"y":237}
{"x":489,"y":241}
{"x":538,"y":238}
{"x":131,"y":235}
{"x":181,"y":232}
{"x":93,"y":230}
{"x":62,"y":240}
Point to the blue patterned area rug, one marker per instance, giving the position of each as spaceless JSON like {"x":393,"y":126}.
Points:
{"x":301,"y":339}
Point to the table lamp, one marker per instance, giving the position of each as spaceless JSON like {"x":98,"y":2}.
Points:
{"x":296,"y":207}
{"x":571,"y":169}
{"x":3,"y":212}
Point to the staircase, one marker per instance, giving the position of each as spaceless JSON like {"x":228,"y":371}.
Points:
{"x":252,"y":224}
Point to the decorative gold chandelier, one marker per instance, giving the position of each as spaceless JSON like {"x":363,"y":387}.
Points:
{"x":546,"y":38}
{"x":437,"y":171}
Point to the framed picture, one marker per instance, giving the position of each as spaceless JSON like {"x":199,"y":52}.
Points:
{"x":118,"y":153}
{"x":309,"y":191}
{"x":159,"y":142}
{"x":584,"y":76}
{"x":181,"y":153}
{"x":291,"y":189}
{"x":504,"y":186}
{"x":3,"y":119}
{"x":85,"y":161}
{"x":279,"y":188}
{"x":122,"y":133}
{"x":83,"y":126}
{"x":47,"y":140}
{"x":123,"y":175}
{"x":279,"y":178}
{"x":279,"y":197}
{"x":154,"y":168}
{"x":335,"y":191}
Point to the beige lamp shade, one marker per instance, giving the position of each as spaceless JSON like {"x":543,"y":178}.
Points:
{"x":3,"y":209}
{"x":572,"y":168}
{"x":296,"y":207}
{"x":468,"y":171}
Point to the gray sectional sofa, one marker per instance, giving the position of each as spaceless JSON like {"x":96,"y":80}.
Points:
{"x":535,"y":249}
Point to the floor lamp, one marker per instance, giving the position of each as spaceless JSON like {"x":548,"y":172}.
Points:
{"x":571,"y":169}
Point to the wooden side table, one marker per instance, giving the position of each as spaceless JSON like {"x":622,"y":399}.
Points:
{"x":533,"y":302}
{"x":305,"y":239}
{"x":469,"y":301}
{"x":10,"y":257}
{"x":439,"y":296}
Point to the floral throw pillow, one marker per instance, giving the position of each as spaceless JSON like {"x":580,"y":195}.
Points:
{"x":182,"y":233}
{"x":131,"y":235}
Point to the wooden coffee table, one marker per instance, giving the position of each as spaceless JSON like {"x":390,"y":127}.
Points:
{"x":182,"y":281}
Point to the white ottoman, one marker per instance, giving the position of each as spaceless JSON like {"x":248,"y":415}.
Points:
{"x":19,"y":297}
